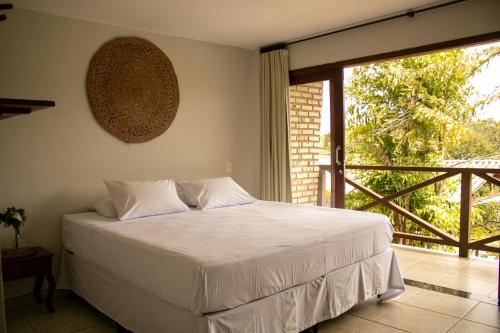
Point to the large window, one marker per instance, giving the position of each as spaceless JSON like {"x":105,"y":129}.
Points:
{"x":436,"y":110}
{"x":429,"y":123}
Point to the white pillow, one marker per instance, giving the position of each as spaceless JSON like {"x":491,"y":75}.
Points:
{"x":215,"y":193}
{"x":133,"y":199}
{"x":188,"y":192}
{"x":105,"y":207}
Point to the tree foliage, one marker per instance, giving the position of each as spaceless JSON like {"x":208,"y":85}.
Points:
{"x":482,"y":140}
{"x":419,"y":111}
{"x":326,"y":145}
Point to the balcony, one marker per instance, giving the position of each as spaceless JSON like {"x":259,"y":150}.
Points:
{"x":463,"y":242}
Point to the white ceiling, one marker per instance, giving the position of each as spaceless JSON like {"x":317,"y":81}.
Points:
{"x":242,"y":23}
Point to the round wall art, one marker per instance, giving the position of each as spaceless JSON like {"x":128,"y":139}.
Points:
{"x":132,"y":89}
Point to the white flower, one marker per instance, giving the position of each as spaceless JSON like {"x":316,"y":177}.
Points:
{"x":17,"y":216}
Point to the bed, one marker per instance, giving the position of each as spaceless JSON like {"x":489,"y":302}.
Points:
{"x":261,"y":267}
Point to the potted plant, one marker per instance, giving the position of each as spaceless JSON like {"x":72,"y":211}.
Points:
{"x":15,"y":218}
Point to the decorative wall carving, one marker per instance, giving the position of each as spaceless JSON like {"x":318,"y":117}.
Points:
{"x":132,"y":89}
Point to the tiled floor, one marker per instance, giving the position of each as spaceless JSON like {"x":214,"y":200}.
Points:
{"x":417,"y":310}
{"x":72,"y":315}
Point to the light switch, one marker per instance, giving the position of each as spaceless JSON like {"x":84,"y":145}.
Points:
{"x":229,"y":167}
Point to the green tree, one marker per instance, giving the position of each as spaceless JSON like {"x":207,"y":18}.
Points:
{"x":326,"y":145}
{"x":481,"y":140}
{"x":412,"y":111}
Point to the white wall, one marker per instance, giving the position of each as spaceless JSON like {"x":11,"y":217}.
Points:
{"x":464,"y":19}
{"x":52,"y":161}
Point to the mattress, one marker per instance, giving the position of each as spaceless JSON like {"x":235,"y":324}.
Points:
{"x":208,"y":261}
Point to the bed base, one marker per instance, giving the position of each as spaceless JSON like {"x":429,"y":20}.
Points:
{"x":121,"y":329}
{"x":303,"y":305}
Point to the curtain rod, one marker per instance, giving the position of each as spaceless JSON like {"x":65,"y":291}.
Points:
{"x":408,"y":13}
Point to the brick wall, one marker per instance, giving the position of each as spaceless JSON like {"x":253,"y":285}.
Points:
{"x":305,"y":120}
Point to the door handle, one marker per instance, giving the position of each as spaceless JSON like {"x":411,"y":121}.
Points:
{"x":338,"y":160}
{"x":337,"y":155}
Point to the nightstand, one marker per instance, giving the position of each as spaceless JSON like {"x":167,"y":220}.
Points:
{"x":39,"y":265}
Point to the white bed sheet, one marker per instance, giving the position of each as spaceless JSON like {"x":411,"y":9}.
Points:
{"x":291,"y":310}
{"x":207,"y":261}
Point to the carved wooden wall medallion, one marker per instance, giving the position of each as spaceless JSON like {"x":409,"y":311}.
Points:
{"x":132,"y":89}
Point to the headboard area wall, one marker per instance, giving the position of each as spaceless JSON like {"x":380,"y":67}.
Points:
{"x":52,"y":162}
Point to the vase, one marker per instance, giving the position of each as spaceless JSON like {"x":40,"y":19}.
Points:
{"x":17,"y":237}
{"x":18,"y":249}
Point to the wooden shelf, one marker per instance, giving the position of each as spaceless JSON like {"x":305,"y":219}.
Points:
{"x":12,"y":107}
{"x":5,"y":6}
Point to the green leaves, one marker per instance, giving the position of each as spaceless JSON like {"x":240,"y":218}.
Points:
{"x":479,"y":139}
{"x":419,"y":103}
{"x":419,"y":111}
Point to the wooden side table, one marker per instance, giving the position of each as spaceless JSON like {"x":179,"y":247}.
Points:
{"x":39,"y":265}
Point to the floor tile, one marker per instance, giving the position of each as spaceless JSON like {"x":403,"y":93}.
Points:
{"x":423,"y":253}
{"x":352,"y":324}
{"x":479,"y":271}
{"x":467,"y":283}
{"x":487,"y":314}
{"x":464,"y":326}
{"x":19,"y":327}
{"x":493,"y":294}
{"x":440,"y":265}
{"x":18,"y":302}
{"x":442,"y":303}
{"x":21,"y":313}
{"x":407,"y":256}
{"x":71,"y":315}
{"x":459,"y":273}
{"x":104,"y":328}
{"x":372,"y":309}
{"x":417,"y":320}
{"x":420,"y":256}
{"x":424,"y":275}
{"x":493,"y":264}
{"x":404,"y":268}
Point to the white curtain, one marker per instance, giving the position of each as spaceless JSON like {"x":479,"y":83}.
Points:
{"x":275,"y":126}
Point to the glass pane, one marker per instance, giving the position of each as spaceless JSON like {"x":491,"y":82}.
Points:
{"x":440,"y":109}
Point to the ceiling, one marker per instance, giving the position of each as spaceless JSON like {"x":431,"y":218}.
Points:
{"x":247,"y":24}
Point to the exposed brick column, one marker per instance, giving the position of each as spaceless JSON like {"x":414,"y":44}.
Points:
{"x":305,"y":120}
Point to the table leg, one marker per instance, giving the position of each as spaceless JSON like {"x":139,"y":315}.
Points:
{"x":38,"y":288}
{"x":50,"y":292}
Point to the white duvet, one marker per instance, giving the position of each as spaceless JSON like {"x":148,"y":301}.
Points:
{"x":207,"y":261}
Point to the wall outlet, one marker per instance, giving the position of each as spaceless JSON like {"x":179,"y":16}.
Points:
{"x":229,"y":167}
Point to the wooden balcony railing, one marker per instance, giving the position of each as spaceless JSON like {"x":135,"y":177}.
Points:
{"x":441,"y":237}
